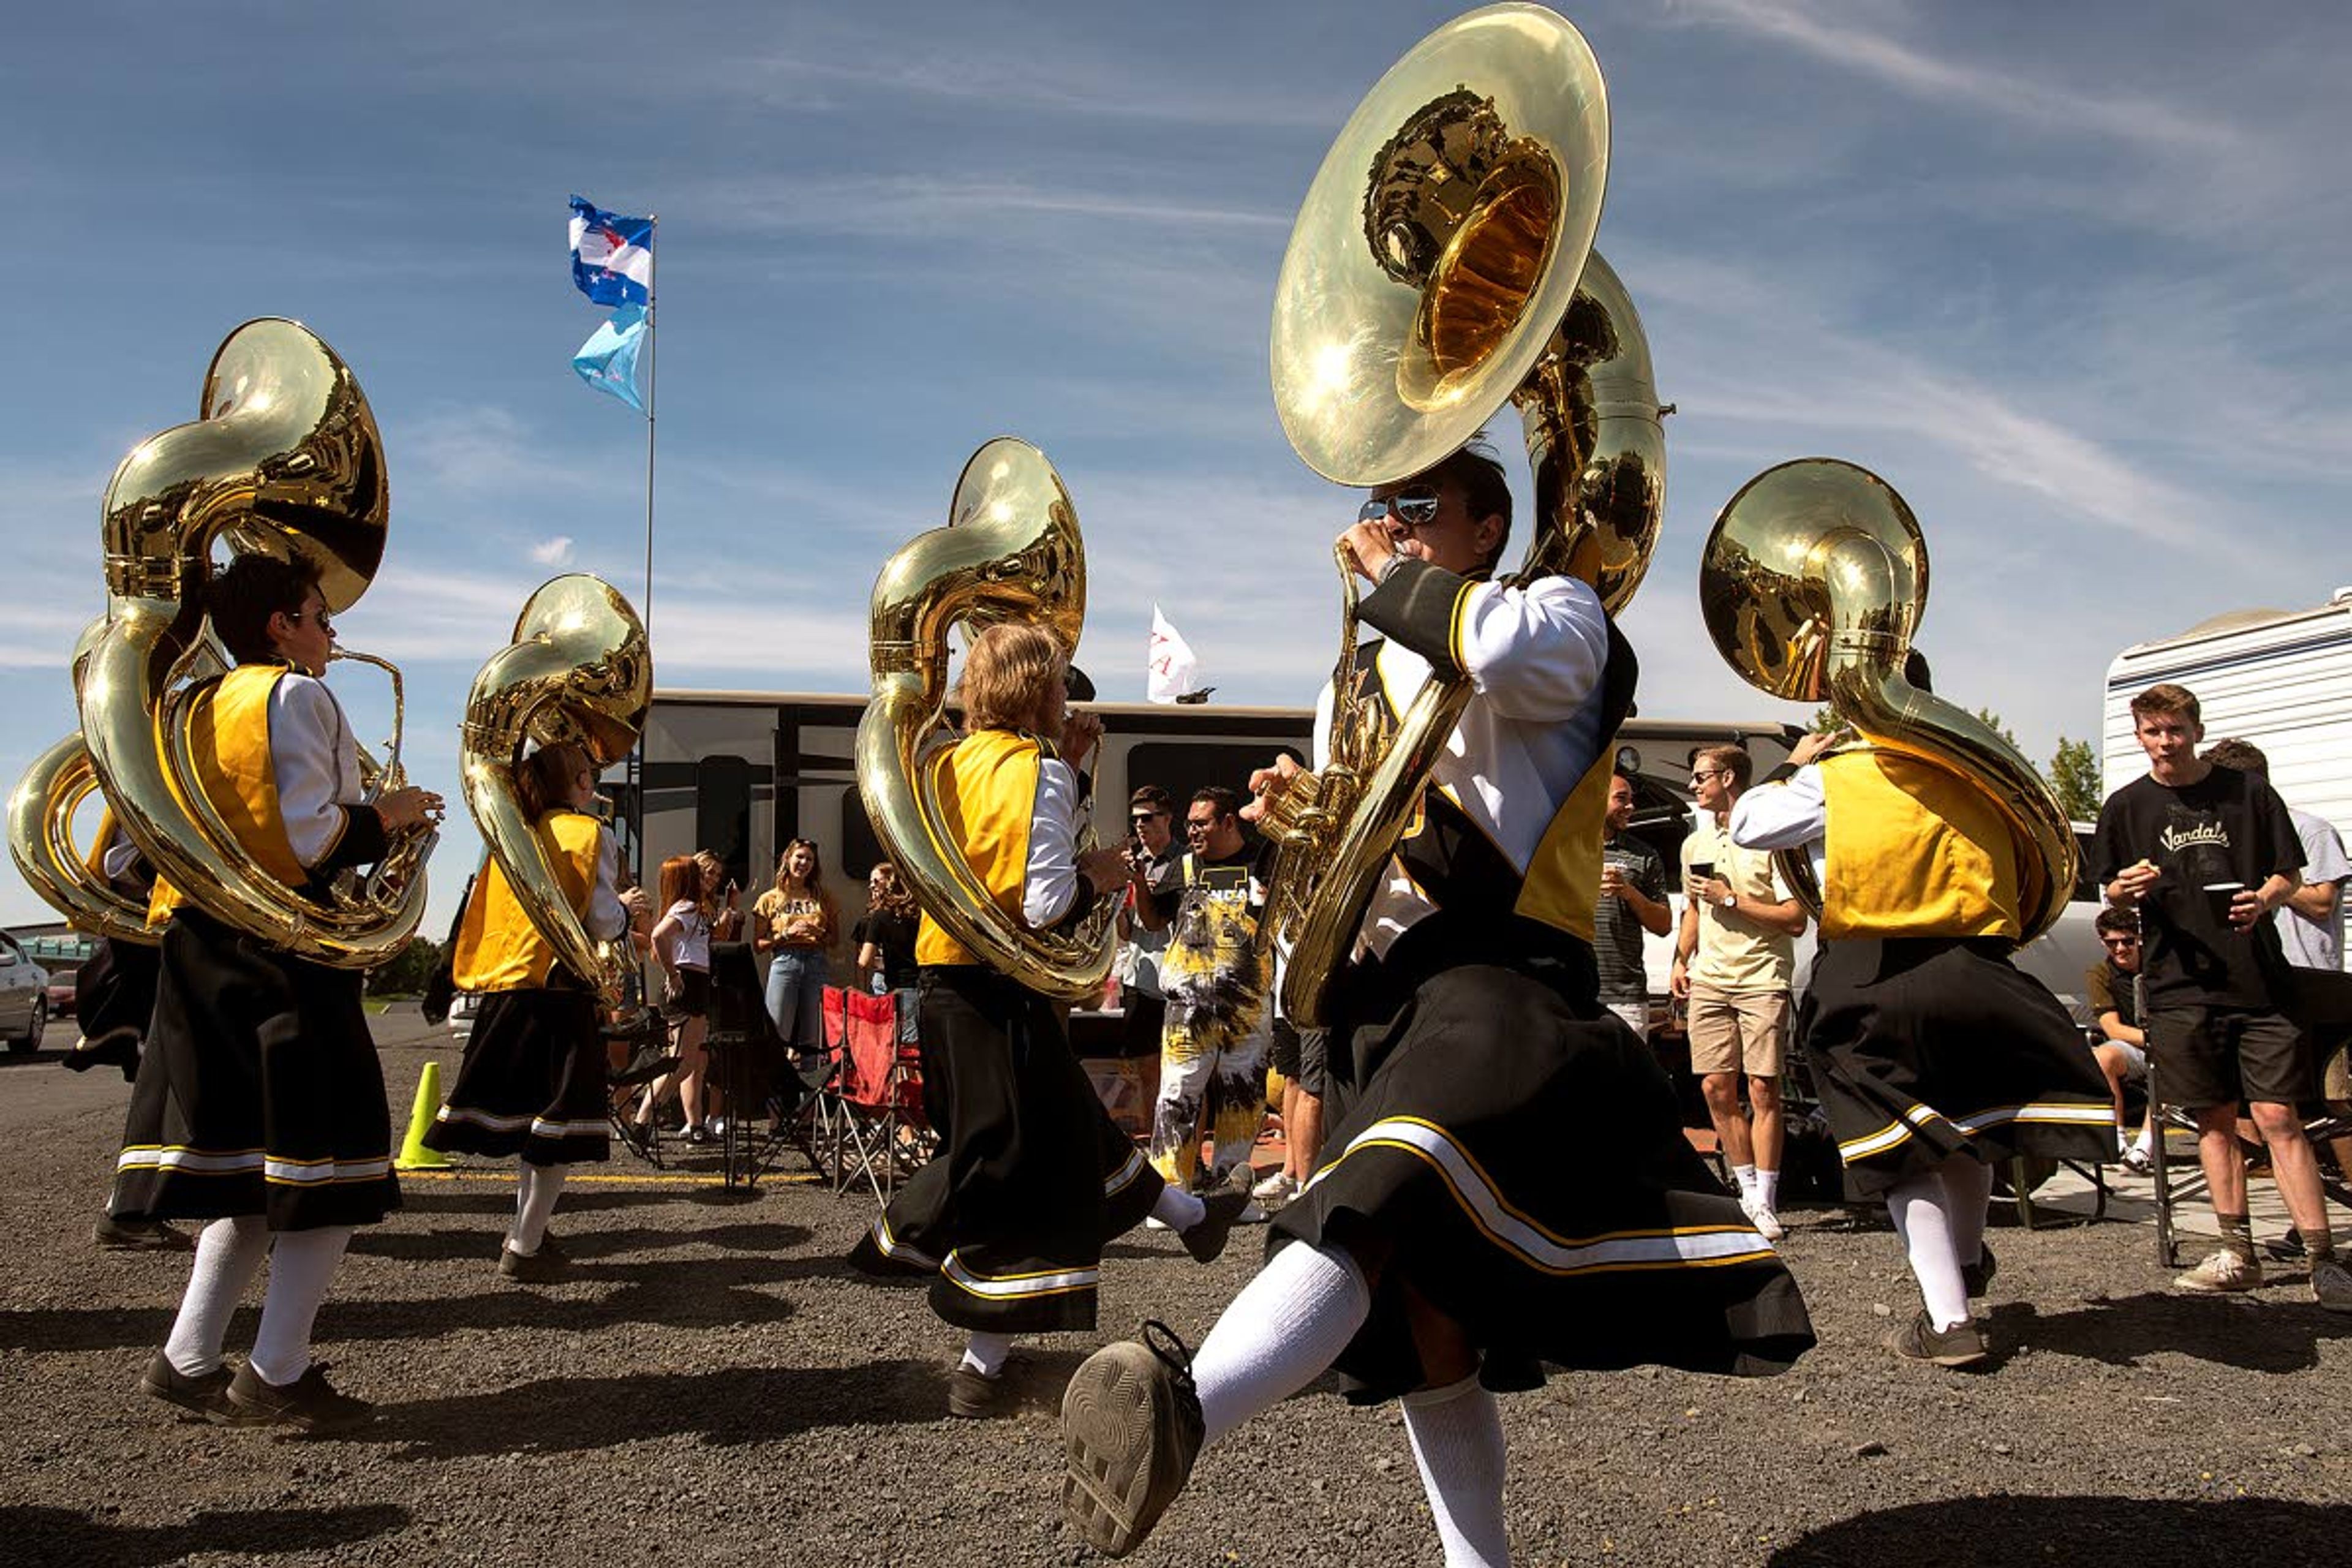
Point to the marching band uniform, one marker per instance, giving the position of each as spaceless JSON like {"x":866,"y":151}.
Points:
{"x":1927,"y":1043}
{"x":114,"y":989}
{"x":1519,"y":1150}
{"x":1500,"y":1147}
{"x":259,"y":1102}
{"x":1008,"y":1220}
{"x":533,"y":1081}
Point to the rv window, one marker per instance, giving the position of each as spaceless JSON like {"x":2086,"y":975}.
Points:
{"x":722,"y":812}
{"x":1181,"y":767}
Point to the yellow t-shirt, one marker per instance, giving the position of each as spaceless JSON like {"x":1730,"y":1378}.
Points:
{"x":1736,"y":955}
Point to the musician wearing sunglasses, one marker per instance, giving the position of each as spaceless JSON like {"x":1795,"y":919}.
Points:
{"x":1488,"y":1119}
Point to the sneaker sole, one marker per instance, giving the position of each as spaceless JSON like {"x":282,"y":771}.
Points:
{"x":1111,"y":1422}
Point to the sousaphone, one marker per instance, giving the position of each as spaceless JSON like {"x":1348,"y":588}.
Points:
{"x":1442,"y":269}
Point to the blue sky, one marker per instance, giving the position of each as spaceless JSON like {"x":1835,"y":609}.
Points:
{"x":2067,"y":276}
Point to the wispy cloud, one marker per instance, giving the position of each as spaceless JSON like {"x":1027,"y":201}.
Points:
{"x":556,"y":551}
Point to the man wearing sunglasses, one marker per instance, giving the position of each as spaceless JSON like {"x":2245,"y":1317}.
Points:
{"x":1152,"y":850}
{"x":2110,"y":987}
{"x":1489,"y":1124}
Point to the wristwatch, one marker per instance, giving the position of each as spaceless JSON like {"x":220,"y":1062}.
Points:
{"x":1729,"y":902}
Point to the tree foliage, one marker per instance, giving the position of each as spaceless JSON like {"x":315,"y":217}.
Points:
{"x":405,"y":974}
{"x":2074,"y":775}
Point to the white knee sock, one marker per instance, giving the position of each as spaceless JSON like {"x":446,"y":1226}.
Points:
{"x":228,"y":1255}
{"x":1968,"y":1184}
{"x":1457,"y":1441}
{"x":984,"y":1353}
{"x":1178,"y":1209}
{"x":540,"y":1185}
{"x":301,"y":1266}
{"x":1276,"y":1337}
{"x":1920,"y":1209}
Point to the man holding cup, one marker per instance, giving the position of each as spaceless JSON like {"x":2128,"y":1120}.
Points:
{"x":2206,"y":853}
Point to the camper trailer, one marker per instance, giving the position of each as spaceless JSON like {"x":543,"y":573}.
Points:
{"x":2280,"y":679}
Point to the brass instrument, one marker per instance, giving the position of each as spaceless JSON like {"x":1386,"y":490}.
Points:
{"x":578,"y":671}
{"x":284,"y":457}
{"x":1440,"y":269}
{"x":1011,"y":551}
{"x":1811,"y":584}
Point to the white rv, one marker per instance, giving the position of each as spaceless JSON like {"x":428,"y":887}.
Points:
{"x":2280,"y":679}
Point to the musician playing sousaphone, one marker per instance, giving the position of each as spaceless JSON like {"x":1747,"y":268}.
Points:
{"x":1008,"y":1221}
{"x":259,"y":1103}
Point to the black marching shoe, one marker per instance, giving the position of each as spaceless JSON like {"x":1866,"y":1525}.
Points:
{"x":973,"y":1397}
{"x":548,"y":1266}
{"x":309,"y":1404}
{"x":1976,"y":1275}
{"x":114,"y":1235}
{"x":1962,"y":1344}
{"x":1132,"y":1428}
{"x":1206,"y":1240}
{"x":206,"y":1395}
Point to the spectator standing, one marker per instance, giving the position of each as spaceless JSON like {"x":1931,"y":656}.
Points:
{"x":1734,"y":959}
{"x":1153,"y":850}
{"x":2110,"y":986}
{"x":1213,"y":1047}
{"x":2205,"y":853}
{"x":2311,"y":930}
{"x":795,"y":922}
{"x":885,"y":935}
{"x":681,"y":945}
{"x":1633,"y":901}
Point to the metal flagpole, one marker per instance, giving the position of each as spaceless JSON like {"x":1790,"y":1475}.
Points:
{"x":637,"y":754}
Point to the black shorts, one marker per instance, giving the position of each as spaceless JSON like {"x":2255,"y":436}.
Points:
{"x":1314,"y":1062}
{"x":2219,"y":1055}
{"x":692,"y":997}
{"x":1284,"y":1058}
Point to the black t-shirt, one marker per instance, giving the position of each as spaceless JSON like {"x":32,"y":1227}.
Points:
{"x":1616,"y":933}
{"x":2229,"y":826}
{"x":895,"y":935}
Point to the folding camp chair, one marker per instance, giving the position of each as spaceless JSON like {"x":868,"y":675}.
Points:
{"x":884,"y":1133}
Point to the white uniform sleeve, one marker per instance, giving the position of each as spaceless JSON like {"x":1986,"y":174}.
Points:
{"x":1052,"y":879}
{"x":1534,"y":652}
{"x":315,"y":763}
{"x":1781,"y":816}
{"x":606,"y":919}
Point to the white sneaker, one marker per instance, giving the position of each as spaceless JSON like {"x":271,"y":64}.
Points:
{"x":1275,"y":1190}
{"x":2331,"y":1285}
{"x":1153,"y":1222}
{"x":1251,"y":1214}
{"x":1768,"y":1223}
{"x":2223,"y":1272}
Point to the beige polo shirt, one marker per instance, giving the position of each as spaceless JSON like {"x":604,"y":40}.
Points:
{"x":1736,"y":955}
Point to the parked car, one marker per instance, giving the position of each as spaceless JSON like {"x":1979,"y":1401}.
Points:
{"x":61,"y":996}
{"x":24,"y":996}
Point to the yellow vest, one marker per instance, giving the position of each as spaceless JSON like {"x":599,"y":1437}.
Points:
{"x":498,"y":948}
{"x":986,"y":785}
{"x":1563,"y":880}
{"x":228,"y":737}
{"x":1912,"y":850}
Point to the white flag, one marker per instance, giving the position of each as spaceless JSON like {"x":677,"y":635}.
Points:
{"x":1171,"y":668}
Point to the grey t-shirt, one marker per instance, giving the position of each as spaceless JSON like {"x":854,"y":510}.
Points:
{"x":2310,"y":943}
{"x":1616,"y":934}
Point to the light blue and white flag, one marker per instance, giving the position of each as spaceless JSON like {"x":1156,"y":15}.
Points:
{"x":612,"y":255}
{"x":608,"y":359}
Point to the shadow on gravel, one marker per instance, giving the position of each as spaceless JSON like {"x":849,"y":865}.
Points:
{"x":417,"y":1198}
{"x":2257,"y":1336}
{"x":66,"y":1535}
{"x":438,"y":1246}
{"x":723,"y":1407}
{"x":1980,"y":1532}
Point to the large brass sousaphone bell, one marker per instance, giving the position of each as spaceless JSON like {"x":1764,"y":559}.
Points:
{"x":577,"y":670}
{"x":284,"y":457}
{"x":1441,"y":269}
{"x":1811,"y":584}
{"x":1011,"y":551}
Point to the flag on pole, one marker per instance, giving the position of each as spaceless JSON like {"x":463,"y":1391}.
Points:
{"x":612,"y":255}
{"x":608,"y":359}
{"x":1171,"y":667}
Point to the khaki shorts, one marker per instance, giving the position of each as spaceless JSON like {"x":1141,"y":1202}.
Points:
{"x":1741,"y":1034}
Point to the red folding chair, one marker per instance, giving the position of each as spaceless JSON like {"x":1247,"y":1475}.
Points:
{"x":884,"y":1132}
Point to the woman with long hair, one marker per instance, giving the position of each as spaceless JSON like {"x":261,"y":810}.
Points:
{"x":533,"y":1081}
{"x":795,"y":922}
{"x":681,"y":941}
{"x":886,"y":935}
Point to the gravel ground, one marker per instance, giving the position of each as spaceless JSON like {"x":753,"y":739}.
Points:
{"x":714,"y":1385}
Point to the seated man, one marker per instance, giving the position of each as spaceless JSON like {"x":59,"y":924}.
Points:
{"x":2109,"y":985}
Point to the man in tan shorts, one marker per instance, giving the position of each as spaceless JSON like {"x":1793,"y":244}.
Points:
{"x":1734,"y":957}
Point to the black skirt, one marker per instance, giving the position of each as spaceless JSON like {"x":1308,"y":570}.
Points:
{"x":1521,"y":1164}
{"x":258,"y":1091}
{"x":532,"y":1083}
{"x":1008,"y":1220}
{"x":115,"y":998}
{"x":1925,"y":1047}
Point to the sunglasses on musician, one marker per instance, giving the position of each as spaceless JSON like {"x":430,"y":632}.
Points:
{"x":1412,"y":507}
